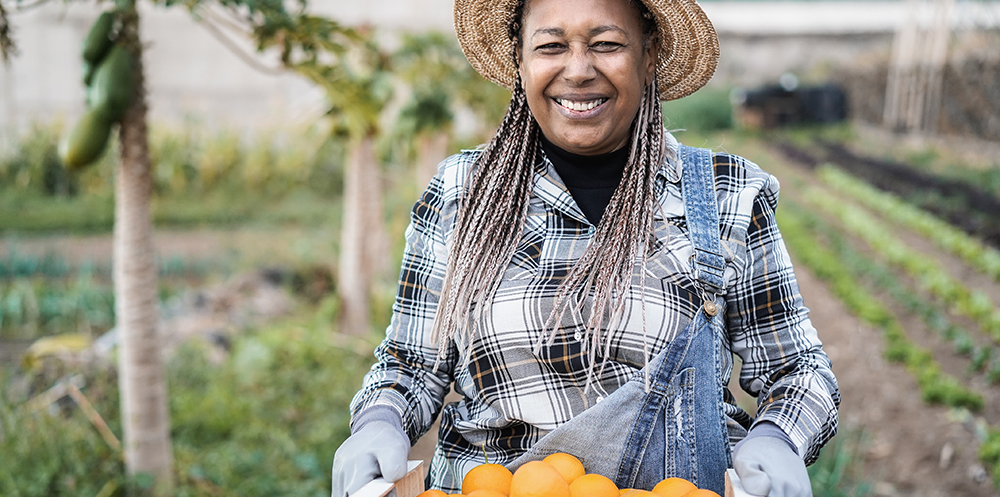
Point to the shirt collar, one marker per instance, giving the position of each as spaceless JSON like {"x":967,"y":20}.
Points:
{"x":551,"y":188}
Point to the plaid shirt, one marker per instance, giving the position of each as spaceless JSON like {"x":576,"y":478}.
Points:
{"x":513,"y":396}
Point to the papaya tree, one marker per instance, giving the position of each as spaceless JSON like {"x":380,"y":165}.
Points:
{"x":428,"y":63}
{"x":357,"y":90}
{"x":440,"y":77}
{"x":142,"y":377}
{"x":355,"y":75}
{"x":314,"y":46}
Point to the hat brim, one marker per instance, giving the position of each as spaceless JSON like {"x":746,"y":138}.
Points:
{"x":688,"y":56}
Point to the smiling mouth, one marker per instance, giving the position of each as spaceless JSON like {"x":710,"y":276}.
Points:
{"x":580,"y":105}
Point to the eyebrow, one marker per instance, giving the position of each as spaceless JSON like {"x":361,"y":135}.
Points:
{"x":593,"y":32}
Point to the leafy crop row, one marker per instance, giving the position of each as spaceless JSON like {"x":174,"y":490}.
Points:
{"x":29,"y":308}
{"x":973,"y":304}
{"x":18,"y":265}
{"x":981,"y":357}
{"x":936,"y":387}
{"x":50,"y":265}
{"x":946,"y":236}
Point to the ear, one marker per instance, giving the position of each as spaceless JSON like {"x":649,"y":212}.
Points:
{"x":517,"y":54}
{"x":652,"y":52}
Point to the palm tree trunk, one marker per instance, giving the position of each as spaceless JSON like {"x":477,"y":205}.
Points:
{"x":362,"y":243}
{"x":432,"y":148}
{"x":145,"y":418}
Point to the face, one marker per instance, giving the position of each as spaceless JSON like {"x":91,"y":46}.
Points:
{"x":584,"y":69}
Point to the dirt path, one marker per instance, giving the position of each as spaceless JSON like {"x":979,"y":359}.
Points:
{"x":249,"y":245}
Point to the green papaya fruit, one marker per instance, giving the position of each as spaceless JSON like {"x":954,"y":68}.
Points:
{"x":85,"y":142}
{"x":88,"y":72}
{"x":98,"y":40}
{"x":112,"y":89}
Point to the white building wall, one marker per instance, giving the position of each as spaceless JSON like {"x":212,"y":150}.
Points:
{"x":191,"y":75}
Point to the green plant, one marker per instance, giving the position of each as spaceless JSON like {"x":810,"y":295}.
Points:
{"x":33,"y":164}
{"x":30,"y":308}
{"x":53,"y":452}
{"x":263,"y":421}
{"x":707,"y":109}
{"x":929,"y":275}
{"x":839,"y":470}
{"x":936,"y":387}
{"x":18,"y":265}
{"x":943,"y":234}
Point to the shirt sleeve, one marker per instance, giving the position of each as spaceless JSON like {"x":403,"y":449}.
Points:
{"x":784,"y":365}
{"x":409,"y":376}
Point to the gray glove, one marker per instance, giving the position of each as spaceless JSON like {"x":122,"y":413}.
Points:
{"x":768,"y":465}
{"x":379,"y":447}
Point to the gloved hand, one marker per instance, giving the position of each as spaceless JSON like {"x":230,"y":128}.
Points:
{"x":768,"y":465}
{"x":378,"y":448}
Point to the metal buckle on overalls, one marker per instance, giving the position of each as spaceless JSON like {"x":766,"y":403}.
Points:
{"x":711,"y":308}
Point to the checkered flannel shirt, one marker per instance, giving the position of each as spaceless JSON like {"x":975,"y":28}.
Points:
{"x":512,"y":396}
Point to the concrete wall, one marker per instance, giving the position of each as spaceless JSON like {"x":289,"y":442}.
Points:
{"x":192,"y":76}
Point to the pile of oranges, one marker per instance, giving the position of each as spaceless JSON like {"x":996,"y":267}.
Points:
{"x":559,"y":475}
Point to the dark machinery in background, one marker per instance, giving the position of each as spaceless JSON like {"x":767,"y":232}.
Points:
{"x":787,"y":103}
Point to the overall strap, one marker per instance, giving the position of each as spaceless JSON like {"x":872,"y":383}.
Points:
{"x":701,"y":211}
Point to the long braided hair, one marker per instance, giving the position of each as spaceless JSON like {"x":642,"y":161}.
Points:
{"x":492,"y":215}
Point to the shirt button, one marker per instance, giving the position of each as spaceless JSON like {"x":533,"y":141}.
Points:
{"x":590,"y":230}
{"x":599,"y":398}
{"x":578,"y":336}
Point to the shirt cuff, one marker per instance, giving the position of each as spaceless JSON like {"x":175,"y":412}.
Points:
{"x":770,"y":429}
{"x":382,"y":413}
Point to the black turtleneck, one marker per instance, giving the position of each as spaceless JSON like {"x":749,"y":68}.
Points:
{"x":591,"y":179}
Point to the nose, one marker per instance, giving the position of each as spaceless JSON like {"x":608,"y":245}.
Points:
{"x":579,"y":69}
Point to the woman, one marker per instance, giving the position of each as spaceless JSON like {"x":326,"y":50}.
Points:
{"x":583,"y":282}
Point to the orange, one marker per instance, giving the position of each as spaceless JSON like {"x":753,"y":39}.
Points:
{"x":487,"y":477}
{"x":593,"y":485}
{"x":485,"y":492}
{"x":432,"y":493}
{"x":701,"y":492}
{"x":674,"y":487}
{"x":635,"y":492}
{"x":625,"y":491}
{"x":570,"y":467}
{"x":538,"y":479}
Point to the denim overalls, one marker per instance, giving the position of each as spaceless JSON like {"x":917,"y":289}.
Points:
{"x":676,"y":428}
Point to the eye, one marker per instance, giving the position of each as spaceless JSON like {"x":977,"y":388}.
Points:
{"x":550,"y":48}
{"x":606,"y":46}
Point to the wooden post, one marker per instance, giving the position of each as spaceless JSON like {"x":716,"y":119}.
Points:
{"x":411,"y":485}
{"x":916,"y":69}
{"x":900,"y":68}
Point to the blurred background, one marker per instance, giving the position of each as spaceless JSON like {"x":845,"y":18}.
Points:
{"x":287,"y":144}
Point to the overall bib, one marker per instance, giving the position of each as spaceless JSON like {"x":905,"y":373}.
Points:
{"x":676,"y":428}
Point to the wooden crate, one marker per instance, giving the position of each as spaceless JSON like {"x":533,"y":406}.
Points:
{"x":413,"y":483}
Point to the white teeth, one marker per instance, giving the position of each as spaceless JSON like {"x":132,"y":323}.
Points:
{"x":579,"y":106}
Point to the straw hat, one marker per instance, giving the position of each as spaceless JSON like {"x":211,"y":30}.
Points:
{"x":689,"y":46}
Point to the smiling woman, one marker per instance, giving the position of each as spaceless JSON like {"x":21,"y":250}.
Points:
{"x":584,"y":280}
{"x":584,"y":65}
